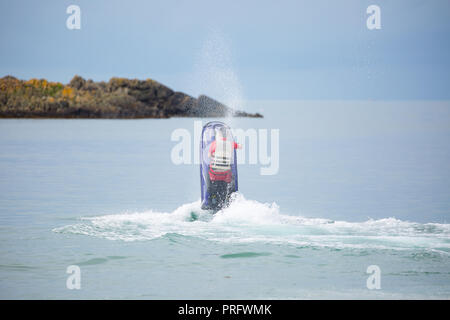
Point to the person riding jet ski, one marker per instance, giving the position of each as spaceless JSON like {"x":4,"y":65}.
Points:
{"x":220,"y":152}
{"x":220,"y":180}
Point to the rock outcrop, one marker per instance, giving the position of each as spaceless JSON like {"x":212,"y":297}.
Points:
{"x":119,"y":98}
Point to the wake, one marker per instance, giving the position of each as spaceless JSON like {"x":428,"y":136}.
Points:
{"x":247,"y":221}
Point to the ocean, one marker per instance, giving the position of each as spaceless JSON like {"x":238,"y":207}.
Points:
{"x":355,"y":186}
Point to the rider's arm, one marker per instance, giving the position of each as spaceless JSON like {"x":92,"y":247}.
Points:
{"x":212,"y":149}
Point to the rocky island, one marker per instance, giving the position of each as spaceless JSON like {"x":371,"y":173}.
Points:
{"x":119,"y":98}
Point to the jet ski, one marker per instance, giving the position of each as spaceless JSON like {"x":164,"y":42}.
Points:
{"x":218,"y":166}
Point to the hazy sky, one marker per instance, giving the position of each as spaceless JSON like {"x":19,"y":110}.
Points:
{"x":249,"y":49}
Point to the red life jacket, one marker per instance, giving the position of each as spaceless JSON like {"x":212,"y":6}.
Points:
{"x":220,"y":176}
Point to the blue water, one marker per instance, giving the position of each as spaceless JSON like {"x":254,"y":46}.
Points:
{"x":359,"y":184}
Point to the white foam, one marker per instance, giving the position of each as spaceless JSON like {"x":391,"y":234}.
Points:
{"x":252,"y":221}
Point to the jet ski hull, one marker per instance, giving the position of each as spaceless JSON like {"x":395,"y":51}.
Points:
{"x":215,"y":194}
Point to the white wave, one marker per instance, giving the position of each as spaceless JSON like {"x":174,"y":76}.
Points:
{"x":252,"y":221}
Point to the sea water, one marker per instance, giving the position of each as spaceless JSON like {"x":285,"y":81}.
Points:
{"x":359,"y":184}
